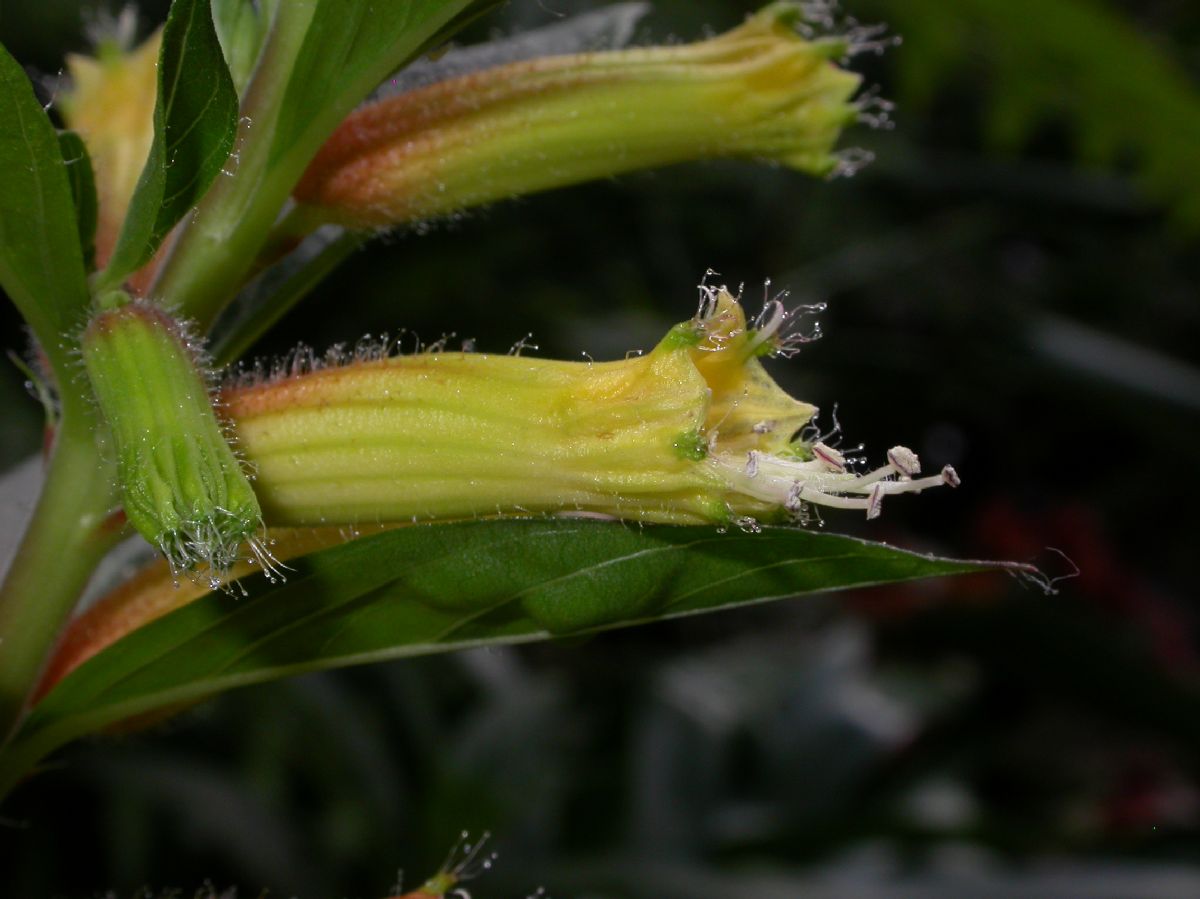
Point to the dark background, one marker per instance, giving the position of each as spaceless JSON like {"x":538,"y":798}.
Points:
{"x":1012,"y":288}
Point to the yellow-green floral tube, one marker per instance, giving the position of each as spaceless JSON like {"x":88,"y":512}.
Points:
{"x":694,"y":431}
{"x":759,"y":91}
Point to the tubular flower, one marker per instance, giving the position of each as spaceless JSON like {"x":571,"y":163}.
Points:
{"x":694,"y":431}
{"x":760,"y":91}
{"x":110,"y":102}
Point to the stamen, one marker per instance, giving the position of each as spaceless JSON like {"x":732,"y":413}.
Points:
{"x":862,"y":482}
{"x":824,"y":481}
{"x":834,"y":460}
{"x":875,"y":502}
{"x":904,"y":461}
{"x":802,"y":493}
{"x":916,"y":486}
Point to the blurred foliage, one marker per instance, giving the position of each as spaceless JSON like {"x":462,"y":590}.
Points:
{"x":1022,"y":315}
{"x":1123,"y":99}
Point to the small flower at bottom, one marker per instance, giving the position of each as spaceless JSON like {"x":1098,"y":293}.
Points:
{"x":465,"y":862}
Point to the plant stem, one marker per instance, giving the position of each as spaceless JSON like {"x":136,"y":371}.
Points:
{"x":68,"y":535}
{"x":218,"y":245}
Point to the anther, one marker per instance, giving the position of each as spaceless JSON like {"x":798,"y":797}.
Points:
{"x":833,"y":460}
{"x":905,"y":461}
{"x":875,"y":501}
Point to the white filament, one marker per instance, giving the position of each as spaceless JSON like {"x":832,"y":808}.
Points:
{"x":824,"y":481}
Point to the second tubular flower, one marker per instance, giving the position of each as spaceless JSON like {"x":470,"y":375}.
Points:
{"x":761,"y":90}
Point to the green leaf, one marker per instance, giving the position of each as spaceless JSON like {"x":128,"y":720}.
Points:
{"x":195,"y":122}
{"x":320,"y":60}
{"x":241,"y":30}
{"x":348,"y":49}
{"x":83,"y":190}
{"x":41,"y":263}
{"x":435,"y":588}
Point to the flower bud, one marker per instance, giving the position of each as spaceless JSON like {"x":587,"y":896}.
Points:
{"x":183,"y":488}
{"x":110,"y":102}
{"x":759,"y":91}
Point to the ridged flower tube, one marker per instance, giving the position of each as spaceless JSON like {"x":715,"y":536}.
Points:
{"x":183,"y":488}
{"x":759,"y":91}
{"x":694,"y":431}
